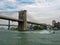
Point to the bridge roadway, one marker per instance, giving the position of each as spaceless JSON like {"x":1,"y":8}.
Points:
{"x":7,"y":25}
{"x":17,"y":20}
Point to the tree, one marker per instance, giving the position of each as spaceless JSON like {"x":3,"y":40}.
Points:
{"x":37,"y":28}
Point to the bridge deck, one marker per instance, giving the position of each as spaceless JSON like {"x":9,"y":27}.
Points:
{"x":8,"y":18}
{"x":7,"y":25}
{"x":13,"y":19}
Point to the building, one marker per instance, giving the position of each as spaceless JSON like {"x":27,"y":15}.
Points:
{"x":55,"y":25}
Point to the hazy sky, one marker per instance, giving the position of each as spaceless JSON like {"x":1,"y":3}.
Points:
{"x":40,"y":11}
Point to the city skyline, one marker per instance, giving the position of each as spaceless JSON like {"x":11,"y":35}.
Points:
{"x":40,"y":11}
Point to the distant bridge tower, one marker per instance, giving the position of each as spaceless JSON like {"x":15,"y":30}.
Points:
{"x":22,"y":25}
{"x":8,"y":24}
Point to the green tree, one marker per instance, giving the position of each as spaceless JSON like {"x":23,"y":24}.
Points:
{"x":37,"y":28}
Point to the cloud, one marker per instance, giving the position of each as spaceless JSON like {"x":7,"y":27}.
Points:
{"x":11,"y":1}
{"x":38,"y":10}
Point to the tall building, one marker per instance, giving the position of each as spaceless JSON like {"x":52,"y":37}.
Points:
{"x":55,"y":25}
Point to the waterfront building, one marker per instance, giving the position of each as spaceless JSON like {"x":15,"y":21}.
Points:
{"x":55,"y":25}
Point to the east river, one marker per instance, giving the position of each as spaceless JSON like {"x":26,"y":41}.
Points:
{"x":8,"y":37}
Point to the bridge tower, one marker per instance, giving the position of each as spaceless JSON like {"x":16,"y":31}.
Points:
{"x":22,"y":25}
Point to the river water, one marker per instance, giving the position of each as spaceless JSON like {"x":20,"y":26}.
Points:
{"x":8,"y":37}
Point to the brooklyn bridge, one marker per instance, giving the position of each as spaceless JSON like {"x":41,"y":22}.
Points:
{"x":22,"y":20}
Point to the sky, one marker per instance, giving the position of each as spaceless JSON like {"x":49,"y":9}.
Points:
{"x":39,"y":11}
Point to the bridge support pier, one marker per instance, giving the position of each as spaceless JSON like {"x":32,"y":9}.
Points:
{"x":22,"y":25}
{"x":8,"y":24}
